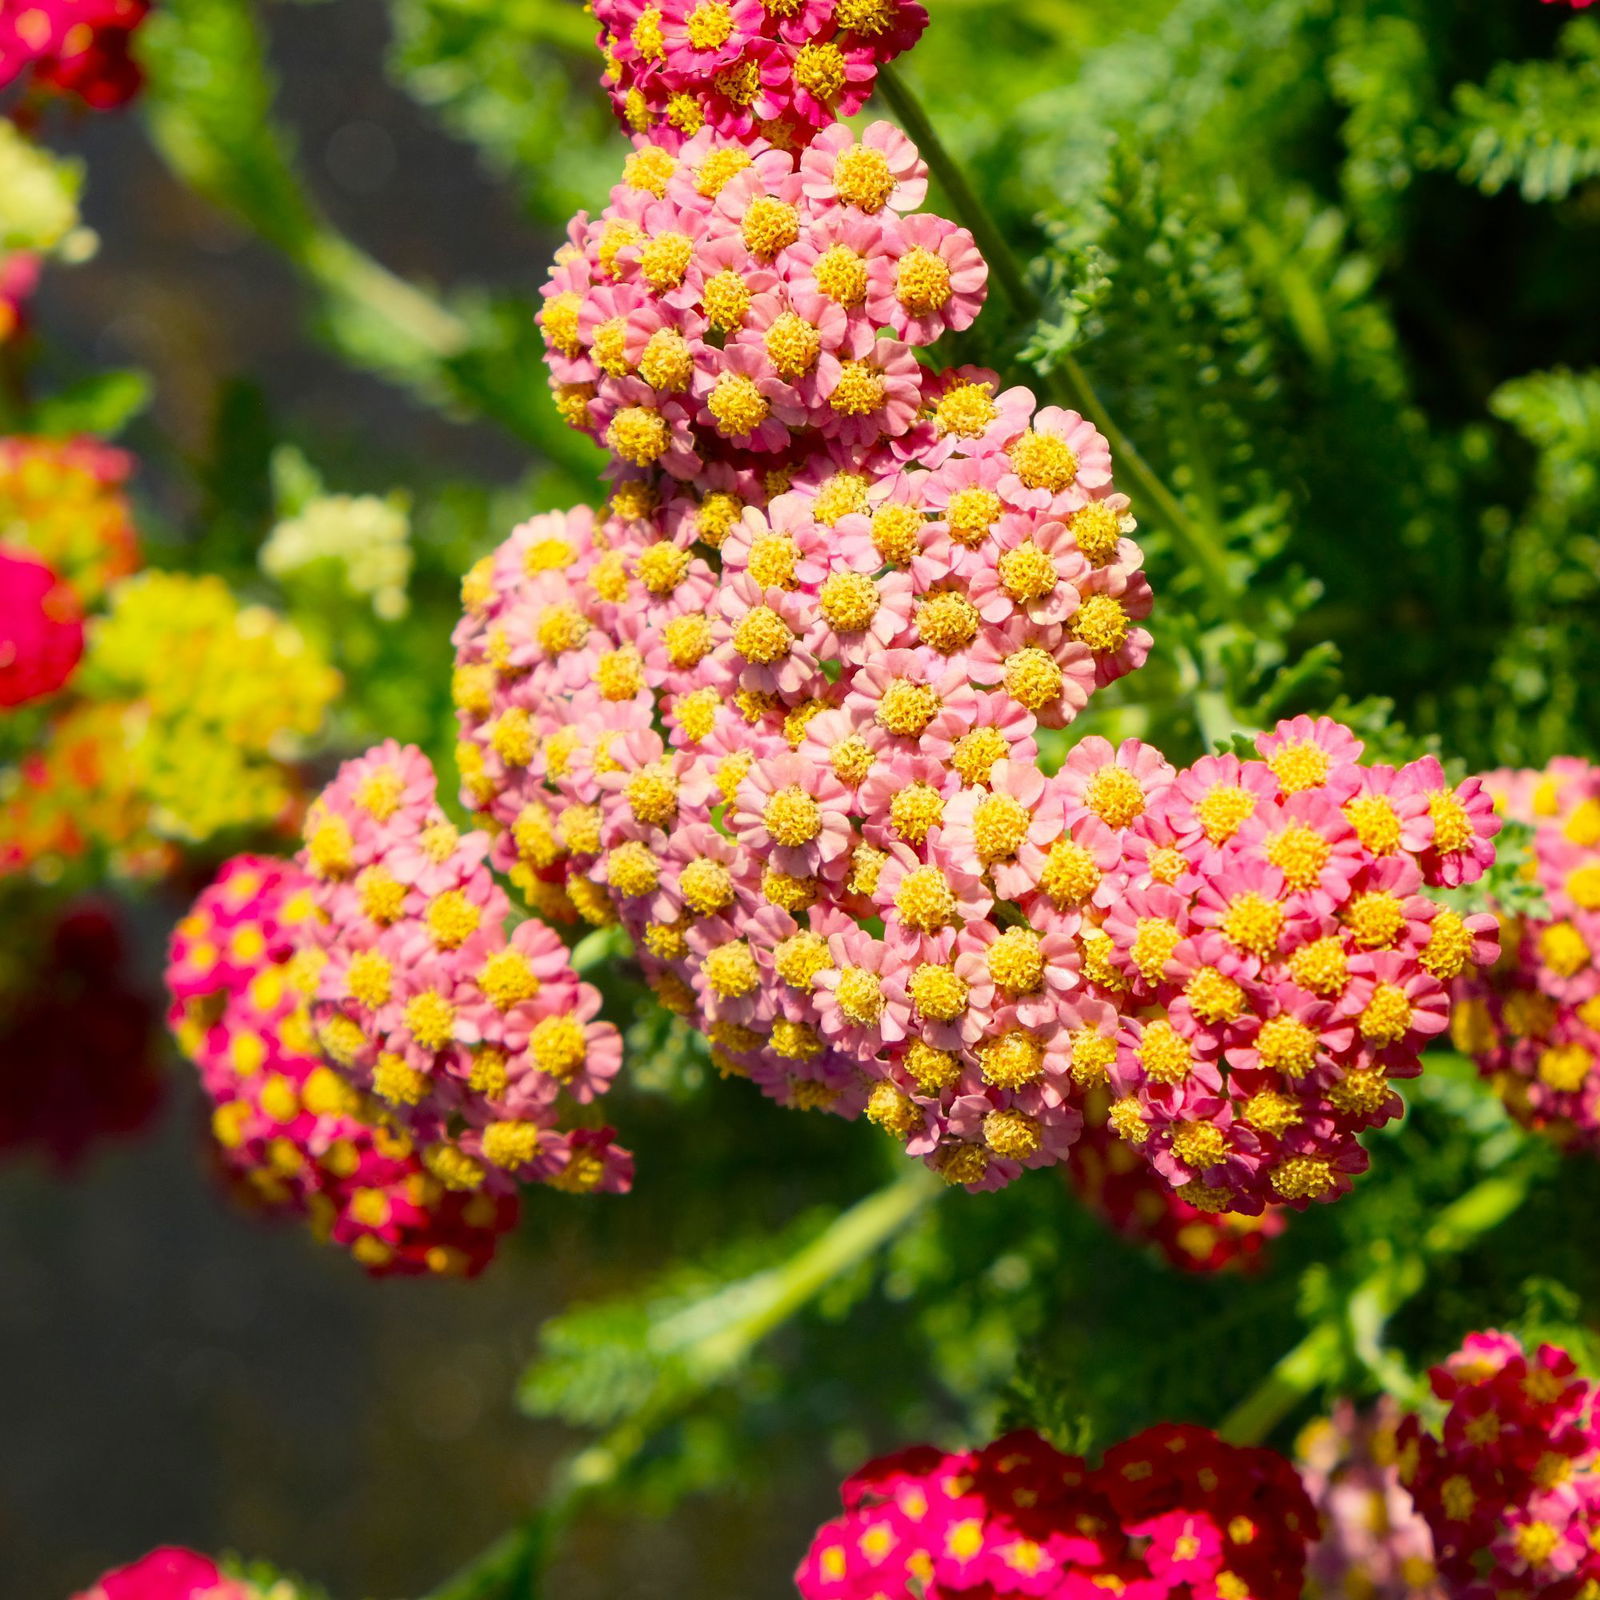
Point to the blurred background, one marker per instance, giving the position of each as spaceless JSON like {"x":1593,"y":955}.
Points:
{"x":1332,"y":270}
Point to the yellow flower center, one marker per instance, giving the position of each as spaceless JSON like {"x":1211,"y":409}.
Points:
{"x":860,"y":390}
{"x":914,"y":811}
{"x":1115,"y":796}
{"x":1033,"y":678}
{"x":762,"y":636}
{"x":1253,"y":925}
{"x":1387,"y":1016}
{"x":770,"y":225}
{"x":860,"y":996}
{"x":1012,"y":1059}
{"x":924,"y":900}
{"x":1043,"y":461}
{"x":922,"y":282}
{"x":938,"y":992}
{"x":1016,"y":961}
{"x":946,"y":621}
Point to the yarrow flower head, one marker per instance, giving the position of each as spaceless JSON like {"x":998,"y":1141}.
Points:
{"x":1172,"y":1513}
{"x":727,"y":307}
{"x":299,"y":1138}
{"x":782,"y":69}
{"x":1532,"y":1022}
{"x":74,"y":47}
{"x":1509,"y":1485}
{"x":477,"y":1039}
{"x":1284,"y":962}
{"x":1373,"y":1540}
{"x":41,"y":630}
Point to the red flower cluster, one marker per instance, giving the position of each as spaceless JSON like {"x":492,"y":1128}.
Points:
{"x":1172,"y":1514}
{"x":77,"y":1062}
{"x":171,"y":1573}
{"x":41,"y":630}
{"x":296,"y":1133}
{"x":75,"y":47}
{"x":1510,"y":1485}
{"x":1107,"y":1175}
{"x":778,"y":68}
{"x":1533,"y":1022}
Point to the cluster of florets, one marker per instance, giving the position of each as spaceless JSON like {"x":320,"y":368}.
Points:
{"x":41,"y":630}
{"x":1373,"y":1543}
{"x":778,"y":69}
{"x":75,"y":47}
{"x":1510,"y":1482}
{"x":64,"y":499}
{"x":723,"y":319}
{"x":77,"y":1037}
{"x":1275,"y":958}
{"x":1533,"y":1022}
{"x":173,"y":1573}
{"x":1173,"y":1514}
{"x":298,"y":1136}
{"x":221,"y":699}
{"x":1107,"y":1175}
{"x":476,"y":1039}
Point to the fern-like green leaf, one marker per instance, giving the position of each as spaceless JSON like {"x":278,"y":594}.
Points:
{"x":1535,"y":123}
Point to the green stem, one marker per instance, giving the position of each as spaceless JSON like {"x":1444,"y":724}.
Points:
{"x":1199,"y":544}
{"x":711,"y":1341}
{"x":1397,"y":1278}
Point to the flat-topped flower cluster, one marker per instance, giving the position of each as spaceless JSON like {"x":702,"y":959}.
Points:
{"x":296,"y":1136}
{"x":1172,"y":1514}
{"x":778,"y":68}
{"x":1533,"y":1021}
{"x":374,"y":982}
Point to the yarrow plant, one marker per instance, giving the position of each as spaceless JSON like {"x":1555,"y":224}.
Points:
{"x":299,"y":1138}
{"x":1373,"y":1541}
{"x":1532,"y":1022}
{"x":1172,"y":1513}
{"x":1508,"y":1483}
{"x":779,"y":69}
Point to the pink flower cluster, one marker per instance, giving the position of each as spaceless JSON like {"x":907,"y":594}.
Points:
{"x":1173,"y":1514}
{"x":171,"y":1573}
{"x":474,"y":1038}
{"x":1107,"y":1175}
{"x":296,"y":1135}
{"x":1275,"y":958}
{"x":1373,"y":1542}
{"x":76,"y":47}
{"x":41,"y":630}
{"x":778,"y":68}
{"x":722,"y":320}
{"x":1533,"y":1022}
{"x":1510,"y":1484}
